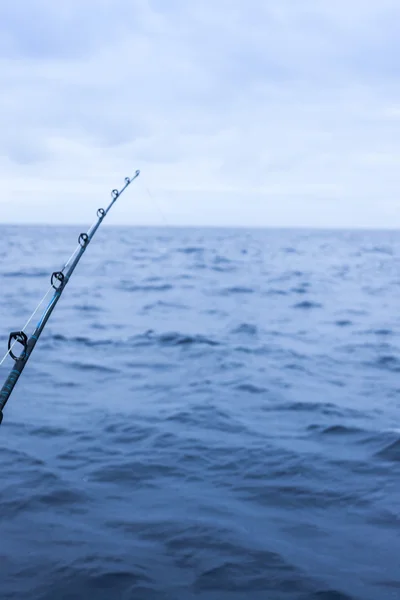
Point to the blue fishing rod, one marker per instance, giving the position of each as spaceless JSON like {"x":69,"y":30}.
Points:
{"x":59,"y":280}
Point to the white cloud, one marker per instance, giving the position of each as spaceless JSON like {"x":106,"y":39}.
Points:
{"x":241,"y":113}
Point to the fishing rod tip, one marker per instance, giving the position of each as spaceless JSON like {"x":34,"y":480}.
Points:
{"x":1,"y":416}
{"x":129,"y":180}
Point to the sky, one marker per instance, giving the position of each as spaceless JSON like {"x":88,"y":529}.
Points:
{"x":237,"y":112}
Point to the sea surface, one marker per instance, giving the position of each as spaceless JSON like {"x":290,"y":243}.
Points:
{"x":210,"y":414}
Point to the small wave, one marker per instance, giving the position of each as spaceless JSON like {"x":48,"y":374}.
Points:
{"x":383,"y":332}
{"x":292,"y":366}
{"x":20,"y":458}
{"x":62,"y":497}
{"x":284,"y":277}
{"x":178,"y":339}
{"x":151,"y":366}
{"x":295,"y":493}
{"x":87,"y":308}
{"x":89,"y":580}
{"x":251,"y":388}
{"x":170,"y":339}
{"x":390,"y":452}
{"x":216,"y":312}
{"x":336,"y":430}
{"x":379,"y":250}
{"x":130,"y":428}
{"x":49,"y":431}
{"x":152,"y":279}
{"x":343,"y":323}
{"x":128,"y":432}
{"x":72,"y":457}
{"x":128,"y":287}
{"x":58,"y":337}
{"x":326,"y":408}
{"x":102,"y":326}
{"x":242,"y":577}
{"x":301,"y":289}
{"x":209,"y":417}
{"x":191,"y":250}
{"x":92,"y":367}
{"x":329,"y":595}
{"x":31,"y":273}
{"x":67,"y":384}
{"x":237,"y":290}
{"x":388,"y":362}
{"x":162,"y":304}
{"x":276,"y":292}
{"x":246,"y":328}
{"x":359,"y":312}
{"x":220,"y":269}
{"x":133,"y":472}
{"x":258,"y":351}
{"x":307,"y":305}
{"x":221,"y":260}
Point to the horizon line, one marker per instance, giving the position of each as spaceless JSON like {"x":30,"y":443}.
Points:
{"x":208,"y":226}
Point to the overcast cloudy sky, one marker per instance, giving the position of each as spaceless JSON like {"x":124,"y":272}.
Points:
{"x":237,"y":112}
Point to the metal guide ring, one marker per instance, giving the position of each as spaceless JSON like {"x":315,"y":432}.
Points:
{"x":21,"y":338}
{"x":57,"y":276}
{"x":83,"y":240}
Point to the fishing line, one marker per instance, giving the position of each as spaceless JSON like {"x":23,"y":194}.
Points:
{"x":45,"y":296}
{"x":27,"y":323}
{"x":59,"y":280}
{"x":157,"y":206}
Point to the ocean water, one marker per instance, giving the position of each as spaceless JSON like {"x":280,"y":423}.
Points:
{"x":209,"y":414}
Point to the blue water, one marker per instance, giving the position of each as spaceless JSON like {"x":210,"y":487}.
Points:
{"x":209,"y":414}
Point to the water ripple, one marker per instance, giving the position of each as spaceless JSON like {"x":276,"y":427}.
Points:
{"x":214,"y":417}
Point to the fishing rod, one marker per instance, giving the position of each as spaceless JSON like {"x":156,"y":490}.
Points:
{"x":59,"y":280}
